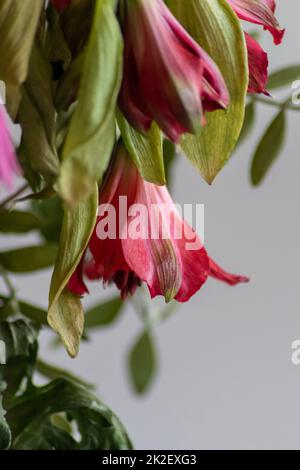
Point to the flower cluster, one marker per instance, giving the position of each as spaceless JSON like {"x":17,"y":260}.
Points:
{"x":164,"y":262}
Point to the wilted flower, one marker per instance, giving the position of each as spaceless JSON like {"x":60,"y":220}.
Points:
{"x":163,"y":250}
{"x":8,"y":160}
{"x":259,"y":12}
{"x":167,"y":77}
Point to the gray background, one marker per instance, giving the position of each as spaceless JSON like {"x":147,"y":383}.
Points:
{"x":225,"y":374}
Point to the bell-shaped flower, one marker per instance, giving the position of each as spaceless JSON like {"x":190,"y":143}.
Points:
{"x":140,"y":236}
{"x":167,"y":77}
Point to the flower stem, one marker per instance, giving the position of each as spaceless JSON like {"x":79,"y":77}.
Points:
{"x":7,"y":282}
{"x":275,"y":103}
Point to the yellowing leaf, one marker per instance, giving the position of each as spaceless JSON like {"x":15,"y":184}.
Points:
{"x":213,"y":24}
{"x":65,"y":313}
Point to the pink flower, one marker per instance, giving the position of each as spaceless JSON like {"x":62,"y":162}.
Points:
{"x":8,"y":160}
{"x":259,"y":12}
{"x":60,"y":5}
{"x":158,"y":252}
{"x":167,"y":77}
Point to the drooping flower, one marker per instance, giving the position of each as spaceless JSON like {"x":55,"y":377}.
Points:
{"x":8,"y":161}
{"x":261,"y":12}
{"x":168,"y":77}
{"x":149,"y":242}
{"x":60,"y":5}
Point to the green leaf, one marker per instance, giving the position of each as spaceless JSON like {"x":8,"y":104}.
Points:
{"x":249,"y":121}
{"x":65,"y":313}
{"x":98,"y":427}
{"x":5,"y":434}
{"x":142,"y":363}
{"x":91,"y":135}
{"x":18,"y":24}
{"x":75,"y":30}
{"x":37,"y":118}
{"x":268,"y":148}
{"x":145,"y":150}
{"x":20,"y":338}
{"x":50,"y":213}
{"x":216,"y":28}
{"x":103,"y":314}
{"x":283,"y":77}
{"x":56,"y":45}
{"x":28,"y":259}
{"x":18,"y":221}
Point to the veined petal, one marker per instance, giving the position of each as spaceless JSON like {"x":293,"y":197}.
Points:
{"x":259,"y":12}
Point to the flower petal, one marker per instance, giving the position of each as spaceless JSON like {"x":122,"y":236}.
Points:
{"x":259,"y":12}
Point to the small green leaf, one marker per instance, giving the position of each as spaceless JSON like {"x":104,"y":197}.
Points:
{"x":91,"y":137}
{"x":268,"y":148}
{"x":18,"y":221}
{"x":142,"y":363}
{"x":213,"y":24}
{"x":103,"y":314}
{"x":249,"y":121}
{"x":28,"y":259}
{"x":65,"y":314}
{"x":283,"y":77}
{"x":145,"y":150}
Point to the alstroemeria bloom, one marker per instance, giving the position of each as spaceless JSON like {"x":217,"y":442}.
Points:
{"x":8,"y":161}
{"x":167,"y":77}
{"x":261,"y":12}
{"x":60,"y":5}
{"x":149,"y":242}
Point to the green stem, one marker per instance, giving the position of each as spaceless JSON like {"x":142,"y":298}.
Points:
{"x":275,"y":103}
{"x":7,"y":282}
{"x":13,"y":196}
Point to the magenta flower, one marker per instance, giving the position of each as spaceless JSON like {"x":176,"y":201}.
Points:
{"x":8,"y":161}
{"x":167,"y":77}
{"x":159,"y":253}
{"x":261,"y":12}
